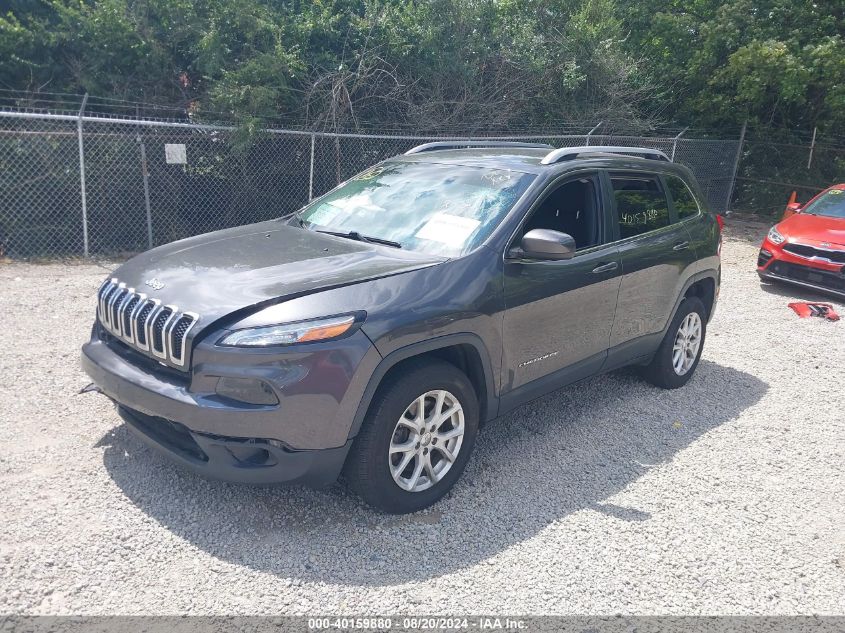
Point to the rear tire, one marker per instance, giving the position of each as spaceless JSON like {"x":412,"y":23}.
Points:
{"x":420,"y":416}
{"x":677,"y":357}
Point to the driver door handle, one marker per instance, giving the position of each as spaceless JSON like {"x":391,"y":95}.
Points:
{"x":603,"y":268}
{"x":680,"y":246}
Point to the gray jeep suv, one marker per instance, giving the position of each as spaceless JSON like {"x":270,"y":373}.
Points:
{"x":371,"y":333}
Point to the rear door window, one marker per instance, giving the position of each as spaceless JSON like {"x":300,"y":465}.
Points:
{"x":685,"y":203}
{"x":641,"y":204}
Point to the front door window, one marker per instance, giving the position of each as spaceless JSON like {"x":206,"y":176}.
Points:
{"x":572,"y":208}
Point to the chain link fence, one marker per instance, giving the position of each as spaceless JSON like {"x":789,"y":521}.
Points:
{"x":92,"y":185}
{"x":775,"y":163}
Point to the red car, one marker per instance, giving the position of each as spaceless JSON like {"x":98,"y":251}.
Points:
{"x":807,"y":247}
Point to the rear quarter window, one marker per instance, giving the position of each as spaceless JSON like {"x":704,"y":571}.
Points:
{"x":685,"y":203}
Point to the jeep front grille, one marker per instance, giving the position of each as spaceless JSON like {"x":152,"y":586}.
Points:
{"x":158,"y":330}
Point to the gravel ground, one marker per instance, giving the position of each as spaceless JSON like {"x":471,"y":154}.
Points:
{"x":725,"y":497}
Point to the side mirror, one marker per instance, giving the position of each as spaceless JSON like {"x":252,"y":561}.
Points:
{"x":791,"y":209}
{"x":544,"y":244}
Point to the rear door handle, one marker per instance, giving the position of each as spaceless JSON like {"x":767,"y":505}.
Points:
{"x":606,"y":267}
{"x":680,"y":246}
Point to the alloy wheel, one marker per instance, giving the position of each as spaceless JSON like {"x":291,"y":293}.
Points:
{"x":687,"y":343}
{"x":426,"y":440}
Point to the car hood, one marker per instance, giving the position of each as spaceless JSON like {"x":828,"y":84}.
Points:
{"x":227,"y":271}
{"x":814,"y":229}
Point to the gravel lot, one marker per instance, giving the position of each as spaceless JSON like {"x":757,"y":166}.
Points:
{"x":725,"y":497}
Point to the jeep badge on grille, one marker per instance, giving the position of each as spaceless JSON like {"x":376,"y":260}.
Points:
{"x":154,"y":283}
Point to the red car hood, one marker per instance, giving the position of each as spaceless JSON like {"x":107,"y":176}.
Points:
{"x":814,"y":229}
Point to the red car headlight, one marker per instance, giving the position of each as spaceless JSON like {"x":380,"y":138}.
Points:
{"x":775,"y":237}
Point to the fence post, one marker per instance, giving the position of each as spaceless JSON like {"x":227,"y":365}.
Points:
{"x":675,"y":143}
{"x":337,"y":158}
{"x":590,"y":133}
{"x":146,"y":176}
{"x":812,"y":146}
{"x":736,"y":167}
{"x":311,"y":172}
{"x":82,"y":175}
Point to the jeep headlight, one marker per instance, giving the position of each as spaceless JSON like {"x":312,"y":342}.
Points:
{"x":290,"y":333}
{"x":775,"y":236}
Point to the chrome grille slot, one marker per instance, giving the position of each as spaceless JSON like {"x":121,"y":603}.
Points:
{"x":181,"y":326}
{"x":144,"y":323}
{"x":114,"y":305}
{"x":105,"y":296}
{"x":139,"y":323}
{"x":126,"y":316}
{"x":158,"y":323}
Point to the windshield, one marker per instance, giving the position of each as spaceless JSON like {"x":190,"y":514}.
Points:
{"x":438,"y":209}
{"x":830,"y":204}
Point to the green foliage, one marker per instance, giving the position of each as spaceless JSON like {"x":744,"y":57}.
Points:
{"x":774,"y":62}
{"x":470,"y":63}
{"x":475,"y":63}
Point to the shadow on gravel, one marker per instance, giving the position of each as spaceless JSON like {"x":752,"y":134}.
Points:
{"x":799,"y":293}
{"x":565,"y":453}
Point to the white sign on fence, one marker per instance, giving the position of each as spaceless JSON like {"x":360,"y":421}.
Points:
{"x":175,"y":154}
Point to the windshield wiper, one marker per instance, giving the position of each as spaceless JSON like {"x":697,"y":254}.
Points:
{"x":355,"y":235}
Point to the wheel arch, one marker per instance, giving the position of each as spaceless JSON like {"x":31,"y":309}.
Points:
{"x":702,"y":286}
{"x":464,"y":350}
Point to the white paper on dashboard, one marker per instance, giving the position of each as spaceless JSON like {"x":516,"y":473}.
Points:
{"x":452,"y":230}
{"x":328,"y":212}
{"x":325,"y":214}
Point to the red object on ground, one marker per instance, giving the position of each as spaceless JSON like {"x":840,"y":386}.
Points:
{"x":807,"y":309}
{"x":807,"y":248}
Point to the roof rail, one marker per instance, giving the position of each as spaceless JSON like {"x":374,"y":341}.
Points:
{"x":569,"y":153}
{"x":430,"y":147}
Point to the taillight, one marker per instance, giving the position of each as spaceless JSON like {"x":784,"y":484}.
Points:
{"x":721,"y":222}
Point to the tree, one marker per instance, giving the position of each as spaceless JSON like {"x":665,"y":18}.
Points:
{"x":469,"y":64}
{"x":773,"y":62}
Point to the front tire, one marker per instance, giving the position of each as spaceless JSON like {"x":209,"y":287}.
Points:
{"x":416,"y":439}
{"x":677,"y":357}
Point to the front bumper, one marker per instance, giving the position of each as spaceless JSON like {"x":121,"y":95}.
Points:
{"x":775,"y":264}
{"x":304,"y":438}
{"x":240,"y":460}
